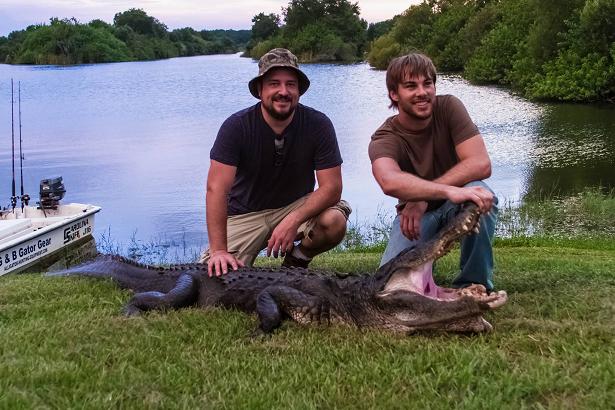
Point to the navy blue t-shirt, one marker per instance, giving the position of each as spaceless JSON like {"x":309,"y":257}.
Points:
{"x":266,"y":179}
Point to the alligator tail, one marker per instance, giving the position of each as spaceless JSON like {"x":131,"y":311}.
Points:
{"x":127,"y":273}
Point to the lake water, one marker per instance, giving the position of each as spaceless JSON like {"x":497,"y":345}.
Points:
{"x":134,"y":138}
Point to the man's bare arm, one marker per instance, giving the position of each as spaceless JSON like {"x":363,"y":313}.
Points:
{"x":474,"y":163}
{"x":327,"y":194}
{"x":407,"y":187}
{"x":219,"y":182}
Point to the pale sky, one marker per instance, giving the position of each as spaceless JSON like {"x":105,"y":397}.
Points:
{"x":198,"y":14}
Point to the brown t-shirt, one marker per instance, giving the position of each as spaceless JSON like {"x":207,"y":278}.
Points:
{"x":428,"y":153}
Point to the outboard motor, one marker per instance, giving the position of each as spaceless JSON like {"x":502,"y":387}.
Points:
{"x":51,"y":191}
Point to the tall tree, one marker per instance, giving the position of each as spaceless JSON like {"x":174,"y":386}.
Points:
{"x":265,"y":26}
{"x":316,"y":30}
{"x":140,"y":22}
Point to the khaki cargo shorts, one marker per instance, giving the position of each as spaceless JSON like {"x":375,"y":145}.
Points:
{"x":248,"y":234}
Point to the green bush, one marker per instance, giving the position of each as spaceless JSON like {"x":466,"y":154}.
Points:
{"x":263,"y":46}
{"x":67,"y":42}
{"x":383,"y":50}
{"x":493,"y":59}
{"x":316,"y":42}
{"x":571,"y":77}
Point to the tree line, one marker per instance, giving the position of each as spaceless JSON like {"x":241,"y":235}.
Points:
{"x":133,"y":36}
{"x":544,"y":49}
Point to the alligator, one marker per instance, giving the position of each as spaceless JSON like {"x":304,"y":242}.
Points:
{"x":401,"y":296}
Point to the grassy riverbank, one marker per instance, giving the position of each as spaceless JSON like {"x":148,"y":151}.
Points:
{"x":64,"y":344}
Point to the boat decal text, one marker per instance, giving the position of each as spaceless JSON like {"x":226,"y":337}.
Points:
{"x":33,"y":249}
{"x":75,"y":232}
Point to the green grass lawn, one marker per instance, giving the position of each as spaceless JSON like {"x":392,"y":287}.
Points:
{"x":64,"y":344}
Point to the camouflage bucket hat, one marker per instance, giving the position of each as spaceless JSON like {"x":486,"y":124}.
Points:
{"x":278,"y":57}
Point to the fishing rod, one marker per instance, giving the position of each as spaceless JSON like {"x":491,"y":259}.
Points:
{"x":13,"y":197}
{"x":25,"y":198}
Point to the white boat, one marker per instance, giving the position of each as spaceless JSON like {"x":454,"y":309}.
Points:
{"x":28,"y":235}
{"x":31,"y":235}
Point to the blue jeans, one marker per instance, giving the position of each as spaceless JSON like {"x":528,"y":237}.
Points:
{"x":476,"y":261}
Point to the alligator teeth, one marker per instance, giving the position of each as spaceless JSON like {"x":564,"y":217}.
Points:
{"x":464,"y":227}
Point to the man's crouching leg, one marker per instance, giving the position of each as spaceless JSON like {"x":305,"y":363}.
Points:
{"x":247,"y":234}
{"x":319,"y":234}
{"x":476,"y":260}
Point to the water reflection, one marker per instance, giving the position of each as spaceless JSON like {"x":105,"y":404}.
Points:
{"x":574,"y":148}
{"x":135,"y":137}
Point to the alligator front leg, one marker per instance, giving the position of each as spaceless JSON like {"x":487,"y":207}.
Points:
{"x":275,"y":302}
{"x":184,"y":293}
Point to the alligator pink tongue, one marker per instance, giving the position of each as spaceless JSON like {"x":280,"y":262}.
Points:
{"x":422,"y":280}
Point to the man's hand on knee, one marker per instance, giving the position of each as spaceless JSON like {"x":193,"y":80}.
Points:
{"x":410,"y":219}
{"x":220,"y":260}
{"x":283,"y":236}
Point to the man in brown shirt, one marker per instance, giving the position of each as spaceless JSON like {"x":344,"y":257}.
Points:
{"x":432,"y":158}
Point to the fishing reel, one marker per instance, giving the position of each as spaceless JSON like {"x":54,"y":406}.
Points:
{"x":51,"y":192}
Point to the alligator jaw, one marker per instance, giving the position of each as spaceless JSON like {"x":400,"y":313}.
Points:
{"x":412,"y":301}
{"x":407,"y":311}
{"x":413,"y":271}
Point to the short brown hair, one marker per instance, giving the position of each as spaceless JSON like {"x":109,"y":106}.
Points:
{"x":407,"y":66}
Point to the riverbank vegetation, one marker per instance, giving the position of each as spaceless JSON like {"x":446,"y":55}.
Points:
{"x":315,"y":30}
{"x":551,"y":346}
{"x":133,"y":36}
{"x":556,"y":50}
{"x":551,"y":50}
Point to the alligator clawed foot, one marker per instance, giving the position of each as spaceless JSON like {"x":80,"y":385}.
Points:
{"x":258,"y":335}
{"x":131,"y":310}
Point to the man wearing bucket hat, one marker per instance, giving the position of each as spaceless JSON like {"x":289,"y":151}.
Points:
{"x":264,"y":165}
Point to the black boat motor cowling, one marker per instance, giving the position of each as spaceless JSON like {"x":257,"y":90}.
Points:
{"x":51,"y":192}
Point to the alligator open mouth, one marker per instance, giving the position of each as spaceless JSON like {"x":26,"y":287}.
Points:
{"x":411,"y":299}
{"x":412,"y":270}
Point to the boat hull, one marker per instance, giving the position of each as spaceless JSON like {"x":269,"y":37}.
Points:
{"x":28,"y":238}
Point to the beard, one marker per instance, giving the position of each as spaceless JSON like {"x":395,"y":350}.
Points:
{"x":411,"y":110}
{"x":280,"y":115}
